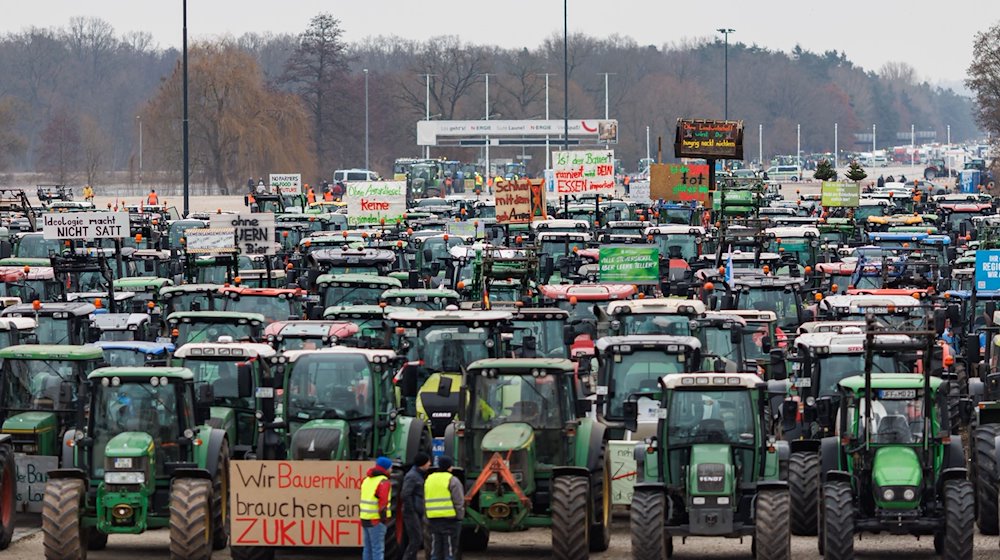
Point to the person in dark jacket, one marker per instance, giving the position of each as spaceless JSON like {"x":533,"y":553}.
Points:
{"x":413,"y":505}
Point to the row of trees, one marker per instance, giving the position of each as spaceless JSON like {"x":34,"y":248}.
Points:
{"x":264,"y":102}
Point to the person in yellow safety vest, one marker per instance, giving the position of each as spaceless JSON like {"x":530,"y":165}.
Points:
{"x":376,"y":494}
{"x":479,"y":181}
{"x":88,"y":193}
{"x":444,"y":502}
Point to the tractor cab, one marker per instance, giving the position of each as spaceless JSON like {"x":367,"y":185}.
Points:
{"x":123,"y":327}
{"x":29,"y":283}
{"x":275,"y":304}
{"x":585,"y":303}
{"x":189,"y":297}
{"x":234,"y":371}
{"x":39,"y":393}
{"x":425,"y":299}
{"x":764,"y":343}
{"x":310,"y":335}
{"x":16,"y":330}
{"x":538,"y":333}
{"x":896,"y":312}
{"x":208,"y":326}
{"x":782,"y":295}
{"x":145,"y":290}
{"x":353,"y":289}
{"x":802,"y":241}
{"x":135,"y":354}
{"x":56,"y":323}
{"x":439,"y":346}
{"x":375,"y":328}
{"x":373,"y":262}
{"x":669,"y":316}
{"x":721,"y":336}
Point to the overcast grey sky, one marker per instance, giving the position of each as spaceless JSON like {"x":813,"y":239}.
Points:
{"x":934,"y":36}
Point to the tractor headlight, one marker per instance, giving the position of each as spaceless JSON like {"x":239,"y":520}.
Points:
{"x":888,"y":494}
{"x":125,"y":478}
{"x":909,"y":494}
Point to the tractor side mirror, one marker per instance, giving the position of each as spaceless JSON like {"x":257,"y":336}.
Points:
{"x":244,"y":381}
{"x":547,"y":266}
{"x":735,"y":336}
{"x":954,"y":312}
{"x":569,"y":333}
{"x":435,"y":268}
{"x":972,"y":348}
{"x":583,"y":407}
{"x":630,"y":410}
{"x":5,"y":249}
{"x":805,"y":316}
{"x":940,"y":316}
{"x":444,"y":387}
{"x":789,"y":410}
{"x":203,"y":406}
{"x":728,"y":302}
{"x":66,"y":392}
{"x":428,"y":255}
{"x":765,"y":344}
{"x":408,"y":382}
{"x":824,"y":412}
{"x":778,"y":369}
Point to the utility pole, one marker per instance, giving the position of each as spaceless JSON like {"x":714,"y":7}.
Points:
{"x":726,"y":31}
{"x":565,"y":76}
{"x":913,"y":146}
{"x":367,"y":168}
{"x":836,"y":148}
{"x":873,"y":142}
{"x":606,"y":100}
{"x":548,"y":154}
{"x":427,"y":109}
{"x":647,"y":147}
{"x":139,"y":118}
{"x":949,"y":134}
{"x":187,"y":154}
{"x":760,"y":145}
{"x":798,"y":148}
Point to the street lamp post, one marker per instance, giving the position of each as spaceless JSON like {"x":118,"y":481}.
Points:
{"x":487,"y":118}
{"x":726,"y":31}
{"x":366,"y":121}
{"x":187,"y":162}
{"x":565,"y":76}
{"x":547,"y":152}
{"x":139,"y":118}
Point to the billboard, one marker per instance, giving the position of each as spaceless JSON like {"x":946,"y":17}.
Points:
{"x":370,"y":202}
{"x":708,"y":139}
{"x":988,"y":270}
{"x":507,"y":132}
{"x":836,"y":193}
{"x":584,"y":172}
{"x":679,"y":183}
{"x":629,"y":264}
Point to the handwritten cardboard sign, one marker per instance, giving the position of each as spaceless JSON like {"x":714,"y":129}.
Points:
{"x":255,"y":233}
{"x":369,"y":202}
{"x":85,"y":225}
{"x":584,"y":172}
{"x":709,"y":139}
{"x":519,"y":202}
{"x":679,"y":183}
{"x":32,"y":473}
{"x":285,"y":183}
{"x":296,"y":503}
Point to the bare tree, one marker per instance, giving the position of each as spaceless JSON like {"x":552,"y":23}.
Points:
{"x":454,"y":69}
{"x":95,"y":148}
{"x":60,"y":150}
{"x":984,"y":79}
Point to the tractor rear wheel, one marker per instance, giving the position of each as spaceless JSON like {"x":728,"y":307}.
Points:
{"x":220,"y":500}
{"x":959,"y":512}
{"x":191,"y":519}
{"x":772,"y":532}
{"x":570,"y":517}
{"x":600,"y":491}
{"x":62,"y":510}
{"x":985,"y":477}
{"x":8,"y":495}
{"x":649,"y":539}
{"x":803,"y":486}
{"x":838,"y":521}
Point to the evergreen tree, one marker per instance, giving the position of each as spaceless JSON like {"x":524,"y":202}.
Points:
{"x":856,"y":172}
{"x":825,"y":171}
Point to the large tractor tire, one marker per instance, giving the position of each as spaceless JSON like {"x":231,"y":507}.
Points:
{"x":649,"y":539}
{"x":959,"y":512}
{"x":600,"y":491}
{"x":220,"y":500}
{"x":191,"y":519}
{"x":772,"y":531}
{"x":803,"y":487}
{"x":838,"y":521}
{"x":8,"y":495}
{"x":985,"y":477}
{"x":570,"y":518}
{"x":62,"y":510}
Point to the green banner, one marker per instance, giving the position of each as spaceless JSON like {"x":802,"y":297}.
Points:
{"x":628,"y":264}
{"x":840,"y":194}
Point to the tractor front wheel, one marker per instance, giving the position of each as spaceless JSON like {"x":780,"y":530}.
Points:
{"x":772,"y":531}
{"x":803,"y":487}
{"x":570,"y":517}
{"x":649,"y":539}
{"x":985,"y":476}
{"x":191,"y":519}
{"x":600,"y":531}
{"x":8,"y":495}
{"x":62,"y":509}
{"x":959,"y":513}
{"x":220,"y":500}
{"x":838,"y":521}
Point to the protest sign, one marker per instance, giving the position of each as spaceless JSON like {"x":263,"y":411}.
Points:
{"x":584,"y":172}
{"x":370,"y":202}
{"x":32,"y":472}
{"x":708,"y":139}
{"x":285,"y":183}
{"x":639,"y":191}
{"x":471,"y":229}
{"x":840,"y":193}
{"x":85,"y":225}
{"x":519,"y":202}
{"x":206,"y":241}
{"x":296,"y":503}
{"x":629,"y":264}
{"x":679,"y":183}
{"x":255,"y":233}
{"x":988,"y":270}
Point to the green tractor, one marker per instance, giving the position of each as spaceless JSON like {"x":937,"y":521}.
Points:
{"x":8,"y":491}
{"x":39,"y":393}
{"x":895,"y":467}
{"x":530,"y":456}
{"x":144,"y":461}
{"x":711,"y":469}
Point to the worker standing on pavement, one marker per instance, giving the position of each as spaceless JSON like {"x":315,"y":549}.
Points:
{"x":153,"y":199}
{"x":412,"y":498}
{"x":88,"y":193}
{"x":376,"y":495}
{"x":310,"y":196}
{"x":444,"y":501}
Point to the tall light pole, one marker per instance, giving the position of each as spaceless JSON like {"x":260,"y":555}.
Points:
{"x":487,"y":119}
{"x":565,"y":76}
{"x":187,"y":162}
{"x":913,"y":146}
{"x":427,"y":109}
{"x":836,"y":148}
{"x":647,"y":148}
{"x":726,"y":31}
{"x":873,"y":142}
{"x":798,"y":148}
{"x":139,"y":118}
{"x":760,"y":145}
{"x":949,"y":134}
{"x":366,"y":120}
{"x":606,"y":99}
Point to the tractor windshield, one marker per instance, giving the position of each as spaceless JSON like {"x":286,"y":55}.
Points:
{"x":272,"y":308}
{"x":897,"y":416}
{"x":676,"y":215}
{"x":537,"y":401}
{"x":719,"y":344}
{"x":543,"y":339}
{"x":59,"y":331}
{"x":138,"y":407}
{"x":782,"y":302}
{"x":677,"y":245}
{"x":655,"y":323}
{"x":561,"y":247}
{"x":710,"y":417}
{"x":449,"y":348}
{"x":40,"y":384}
{"x":639,"y":372}
{"x":832,"y":368}
{"x":221,"y":375}
{"x":193,"y":301}
{"x":211,"y":331}
{"x":124,"y":357}
{"x":37,"y":247}
{"x":330,"y":386}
